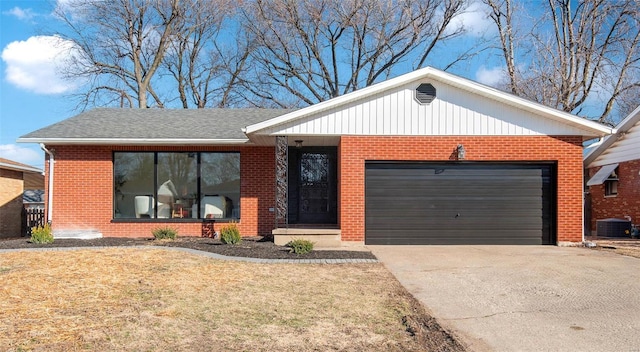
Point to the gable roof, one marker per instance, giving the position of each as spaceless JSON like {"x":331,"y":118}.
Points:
{"x":16,"y":166}
{"x":579,"y":125}
{"x":622,"y":146}
{"x":152,"y":126}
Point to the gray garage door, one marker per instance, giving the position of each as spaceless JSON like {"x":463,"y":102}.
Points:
{"x":459,"y":203}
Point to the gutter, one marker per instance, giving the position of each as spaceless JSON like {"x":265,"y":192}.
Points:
{"x":50,"y":182}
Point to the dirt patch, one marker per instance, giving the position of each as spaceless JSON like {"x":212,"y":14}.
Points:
{"x":252,"y":247}
{"x":623,"y":246}
{"x":426,"y":329}
{"x":155,"y":300}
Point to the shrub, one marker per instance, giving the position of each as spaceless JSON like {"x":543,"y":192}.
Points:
{"x":42,"y":234}
{"x":229,"y":234}
{"x":300,"y":246}
{"x":162,"y":233}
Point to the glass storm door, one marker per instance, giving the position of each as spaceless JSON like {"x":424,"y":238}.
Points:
{"x":317,"y":187}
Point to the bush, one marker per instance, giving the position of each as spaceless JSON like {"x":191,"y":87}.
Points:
{"x":300,"y":246}
{"x":42,"y":234}
{"x":162,"y":233}
{"x":229,"y":234}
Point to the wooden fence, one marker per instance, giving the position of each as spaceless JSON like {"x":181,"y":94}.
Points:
{"x":31,"y":217}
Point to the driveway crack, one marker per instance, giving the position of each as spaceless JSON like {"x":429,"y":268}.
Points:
{"x":499,"y":313}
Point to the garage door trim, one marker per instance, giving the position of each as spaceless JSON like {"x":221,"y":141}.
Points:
{"x":391,"y":209}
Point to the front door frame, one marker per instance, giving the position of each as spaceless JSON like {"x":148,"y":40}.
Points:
{"x":295,"y":212}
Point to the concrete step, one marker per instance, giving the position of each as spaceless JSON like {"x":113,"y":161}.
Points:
{"x":320,"y":237}
{"x":77,"y":234}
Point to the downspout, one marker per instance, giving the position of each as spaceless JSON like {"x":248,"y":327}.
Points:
{"x":50,"y":183}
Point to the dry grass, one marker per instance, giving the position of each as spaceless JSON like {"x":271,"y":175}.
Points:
{"x":157,"y":300}
{"x":628,"y":247}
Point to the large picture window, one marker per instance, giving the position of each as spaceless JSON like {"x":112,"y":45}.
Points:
{"x":176,"y":185}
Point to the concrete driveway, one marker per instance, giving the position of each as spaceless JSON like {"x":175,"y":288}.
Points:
{"x":525,"y":298}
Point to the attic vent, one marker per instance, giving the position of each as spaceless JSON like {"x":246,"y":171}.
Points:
{"x":425,"y":93}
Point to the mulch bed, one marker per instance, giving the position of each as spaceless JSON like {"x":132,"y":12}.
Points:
{"x":250,"y":247}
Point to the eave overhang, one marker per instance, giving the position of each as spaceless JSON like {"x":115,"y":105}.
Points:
{"x":21,"y":168}
{"x":618,"y":132}
{"x":132,"y":141}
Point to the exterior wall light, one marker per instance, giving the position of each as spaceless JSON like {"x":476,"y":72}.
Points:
{"x":298,"y":143}
{"x":461,"y":153}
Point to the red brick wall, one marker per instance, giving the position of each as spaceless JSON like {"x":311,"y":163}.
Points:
{"x":567,"y":151}
{"x":84,"y":178}
{"x":627,"y":202}
{"x":83,"y":191}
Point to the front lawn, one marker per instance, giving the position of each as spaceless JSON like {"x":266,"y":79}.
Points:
{"x":157,"y":300}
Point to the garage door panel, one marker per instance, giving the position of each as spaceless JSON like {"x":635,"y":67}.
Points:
{"x":417,"y":203}
{"x":446,"y":240}
{"x":480,"y":192}
{"x":475,"y":224}
{"x":476,"y":204}
{"x":469,"y":235}
{"x":451,"y":186}
{"x":427,"y":207}
{"x":472,"y":230}
{"x":430,"y":177}
{"x":520,"y":217}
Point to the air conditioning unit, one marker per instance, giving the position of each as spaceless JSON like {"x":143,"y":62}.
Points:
{"x":613,"y":228}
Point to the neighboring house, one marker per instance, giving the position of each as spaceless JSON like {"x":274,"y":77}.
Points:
{"x":15,"y":178}
{"x":424,"y":158}
{"x":613,"y":170}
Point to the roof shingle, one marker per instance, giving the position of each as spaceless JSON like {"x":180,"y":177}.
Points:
{"x":163,"y":124}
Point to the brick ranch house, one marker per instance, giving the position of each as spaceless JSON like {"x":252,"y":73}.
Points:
{"x":15,"y":178}
{"x":613,"y":169}
{"x":424,"y":158}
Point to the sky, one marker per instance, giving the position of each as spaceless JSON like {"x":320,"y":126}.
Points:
{"x":33,"y":95}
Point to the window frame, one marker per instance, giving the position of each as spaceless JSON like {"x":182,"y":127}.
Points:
{"x":611,"y":184}
{"x":611,"y":187}
{"x":198,"y":196}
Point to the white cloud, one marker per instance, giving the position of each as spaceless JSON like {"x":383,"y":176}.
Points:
{"x":74,"y":9}
{"x":21,"y":14}
{"x":21,"y":154}
{"x":34,"y":64}
{"x":68,"y":4}
{"x":474,"y":20}
{"x":491,"y":76}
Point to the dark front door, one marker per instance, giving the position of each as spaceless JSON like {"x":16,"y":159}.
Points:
{"x":312,"y":185}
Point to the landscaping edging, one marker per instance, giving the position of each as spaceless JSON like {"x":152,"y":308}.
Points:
{"x":206,"y":254}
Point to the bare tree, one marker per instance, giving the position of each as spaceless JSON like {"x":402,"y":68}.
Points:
{"x":580,"y":51}
{"x":629,"y":99}
{"x":308,"y":51}
{"x":206,"y":67}
{"x":501,"y":12}
{"x":122,"y":44}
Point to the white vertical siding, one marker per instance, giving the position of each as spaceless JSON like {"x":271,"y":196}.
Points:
{"x":397,"y":112}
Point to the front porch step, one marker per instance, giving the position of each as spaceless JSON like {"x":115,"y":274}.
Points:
{"x":77,"y":234}
{"x":321,"y":237}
